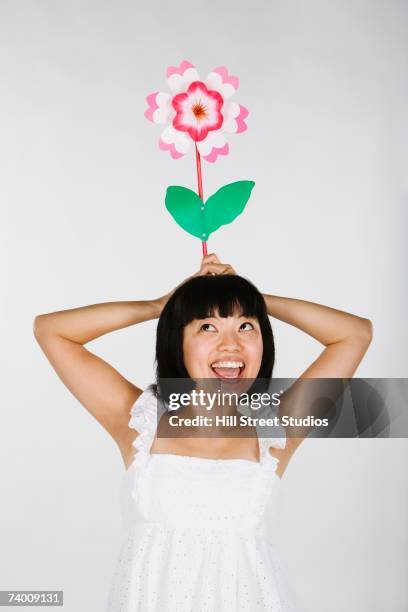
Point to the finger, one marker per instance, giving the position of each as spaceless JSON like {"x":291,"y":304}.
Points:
{"x":211,"y":258}
{"x":216,"y":268}
{"x":211,"y":268}
{"x":228,"y":269}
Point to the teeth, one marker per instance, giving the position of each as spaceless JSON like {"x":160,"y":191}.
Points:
{"x":228,"y":364}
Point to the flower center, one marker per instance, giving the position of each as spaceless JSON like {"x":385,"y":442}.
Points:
{"x":199,"y":111}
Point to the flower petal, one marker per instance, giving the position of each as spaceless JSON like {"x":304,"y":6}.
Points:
{"x":220,"y":80}
{"x":159,"y":109}
{"x":175,"y":142}
{"x":234,"y":118}
{"x":179,"y":78}
{"x":214,"y":145}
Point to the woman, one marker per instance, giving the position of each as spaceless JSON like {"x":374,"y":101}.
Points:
{"x":198,"y":510}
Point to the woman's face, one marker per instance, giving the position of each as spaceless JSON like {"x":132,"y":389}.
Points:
{"x":223,"y":347}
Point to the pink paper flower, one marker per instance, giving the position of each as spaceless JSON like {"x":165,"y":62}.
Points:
{"x":197,"y":111}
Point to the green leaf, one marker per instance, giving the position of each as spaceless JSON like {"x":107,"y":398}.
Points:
{"x":185,"y":207}
{"x":201,"y":220}
{"x":226,"y":204}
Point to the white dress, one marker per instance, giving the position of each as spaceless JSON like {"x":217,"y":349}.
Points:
{"x":197,"y":532}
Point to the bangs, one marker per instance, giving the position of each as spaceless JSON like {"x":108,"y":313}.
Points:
{"x":225,"y":295}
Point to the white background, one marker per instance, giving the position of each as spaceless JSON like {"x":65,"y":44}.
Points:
{"x":83,"y":221}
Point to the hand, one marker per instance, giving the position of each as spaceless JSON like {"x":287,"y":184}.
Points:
{"x":210,"y":264}
{"x":159,"y":303}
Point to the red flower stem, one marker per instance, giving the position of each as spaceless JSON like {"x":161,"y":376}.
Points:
{"x":200,"y":189}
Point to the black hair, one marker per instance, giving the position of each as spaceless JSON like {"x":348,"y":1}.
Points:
{"x":199,"y":298}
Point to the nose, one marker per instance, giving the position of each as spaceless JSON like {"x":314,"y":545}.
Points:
{"x":229,"y":341}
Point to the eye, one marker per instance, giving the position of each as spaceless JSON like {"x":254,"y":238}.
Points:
{"x":207,"y":326}
{"x":248,"y":328}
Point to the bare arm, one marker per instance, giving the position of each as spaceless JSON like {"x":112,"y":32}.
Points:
{"x":86,"y":323}
{"x":345,"y":336}
{"x":99,"y":387}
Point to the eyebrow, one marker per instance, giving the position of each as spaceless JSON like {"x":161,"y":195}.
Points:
{"x":240,"y":317}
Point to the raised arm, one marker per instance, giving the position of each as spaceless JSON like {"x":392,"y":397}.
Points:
{"x":101,"y":389}
{"x":345,"y":336}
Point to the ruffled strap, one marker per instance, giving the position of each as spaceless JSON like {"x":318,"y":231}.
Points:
{"x":144,"y":417}
{"x":143,"y":411}
{"x":278,"y":440}
{"x":266,"y":481}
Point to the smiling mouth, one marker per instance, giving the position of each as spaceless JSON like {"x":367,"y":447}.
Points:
{"x":228,"y":370}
